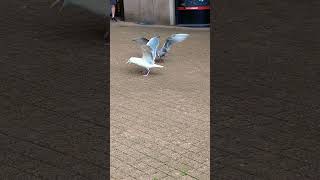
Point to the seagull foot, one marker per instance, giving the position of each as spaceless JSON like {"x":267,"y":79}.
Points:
{"x":147,"y":73}
{"x":159,"y":60}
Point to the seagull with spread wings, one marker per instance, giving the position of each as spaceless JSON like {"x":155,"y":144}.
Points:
{"x":149,"y":52}
{"x":170,"y":41}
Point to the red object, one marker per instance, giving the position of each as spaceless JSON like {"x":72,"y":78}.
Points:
{"x":194,"y":8}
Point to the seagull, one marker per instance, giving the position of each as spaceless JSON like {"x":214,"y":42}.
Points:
{"x":161,"y":52}
{"x":149,"y":52}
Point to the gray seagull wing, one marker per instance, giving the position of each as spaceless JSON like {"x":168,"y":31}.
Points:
{"x":174,"y":38}
{"x":147,"y":54}
{"x":141,"y":40}
{"x":154,"y":43}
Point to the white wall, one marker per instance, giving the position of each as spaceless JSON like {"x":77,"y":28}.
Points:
{"x":152,"y":11}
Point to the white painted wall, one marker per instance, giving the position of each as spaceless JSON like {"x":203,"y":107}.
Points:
{"x":152,"y":11}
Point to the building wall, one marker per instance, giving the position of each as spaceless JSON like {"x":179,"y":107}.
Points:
{"x":150,"y":11}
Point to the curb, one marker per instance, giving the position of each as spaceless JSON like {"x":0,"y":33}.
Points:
{"x":131,"y":24}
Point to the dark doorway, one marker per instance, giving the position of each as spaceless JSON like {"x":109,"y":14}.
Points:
{"x":192,"y":12}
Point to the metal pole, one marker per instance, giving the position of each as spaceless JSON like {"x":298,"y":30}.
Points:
{"x":172,"y":12}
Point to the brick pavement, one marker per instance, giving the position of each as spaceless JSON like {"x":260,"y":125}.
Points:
{"x":160,"y":123}
{"x":265,"y":90}
{"x":52,"y":86}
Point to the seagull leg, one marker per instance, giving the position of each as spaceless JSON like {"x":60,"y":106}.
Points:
{"x":160,"y":60}
{"x":147,"y":73}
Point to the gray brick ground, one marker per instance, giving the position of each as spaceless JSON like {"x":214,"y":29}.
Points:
{"x":160,"y":123}
{"x":265,"y":115}
{"x":52,"y":85}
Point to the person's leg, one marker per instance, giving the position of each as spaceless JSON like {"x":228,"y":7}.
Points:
{"x":113,"y":10}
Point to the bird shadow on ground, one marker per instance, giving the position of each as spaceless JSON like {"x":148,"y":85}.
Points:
{"x":136,"y":71}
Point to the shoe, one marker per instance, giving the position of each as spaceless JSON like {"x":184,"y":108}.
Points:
{"x":114,"y":19}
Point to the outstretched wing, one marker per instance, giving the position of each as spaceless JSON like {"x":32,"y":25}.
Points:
{"x":147,"y":54}
{"x":99,"y":7}
{"x":154,"y":43}
{"x":141,"y":41}
{"x":174,"y":38}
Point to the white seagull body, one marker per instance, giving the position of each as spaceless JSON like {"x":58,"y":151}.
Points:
{"x":160,"y":53}
{"x":149,"y":52}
